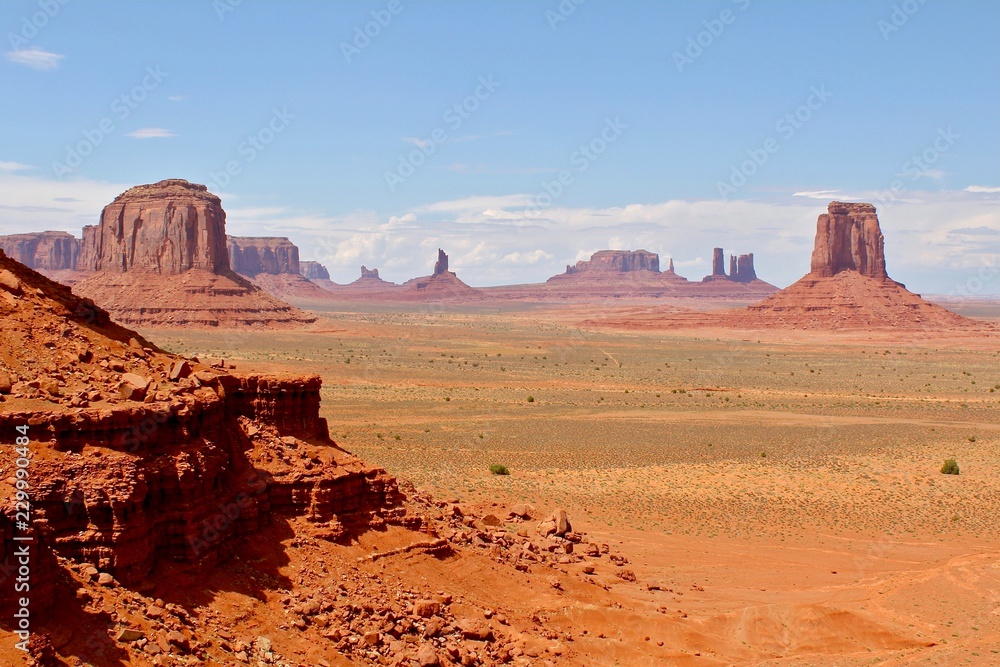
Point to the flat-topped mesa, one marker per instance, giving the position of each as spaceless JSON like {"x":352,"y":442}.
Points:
{"x":617,"y":261}
{"x":313,"y":270}
{"x":167,"y":228}
{"x":43,"y":251}
{"x":441,"y":265}
{"x":373,"y":273}
{"x":848,"y":238}
{"x":252,"y":255}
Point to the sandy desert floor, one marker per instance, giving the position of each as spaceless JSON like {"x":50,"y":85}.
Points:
{"x":782,"y":488}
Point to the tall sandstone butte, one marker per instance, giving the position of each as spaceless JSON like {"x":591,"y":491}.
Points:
{"x":167,"y":228}
{"x":848,"y":238}
{"x":159,"y":258}
{"x":847,"y":286}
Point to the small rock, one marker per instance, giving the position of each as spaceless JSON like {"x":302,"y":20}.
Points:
{"x":128,"y":635}
{"x":491,"y":520}
{"x":5,"y":383}
{"x":10,"y":282}
{"x":178,"y":370}
{"x":427,"y":656}
{"x":105,"y":579}
{"x":426,"y":608}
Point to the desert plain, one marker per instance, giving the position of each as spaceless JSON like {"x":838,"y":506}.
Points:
{"x":777,"y":494}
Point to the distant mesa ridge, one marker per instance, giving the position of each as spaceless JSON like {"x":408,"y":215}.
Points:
{"x":313,"y":270}
{"x":848,"y":238}
{"x":618,"y":261}
{"x":43,"y":251}
{"x":253,"y":255}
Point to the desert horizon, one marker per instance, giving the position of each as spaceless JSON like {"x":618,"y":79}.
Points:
{"x":560,"y":333}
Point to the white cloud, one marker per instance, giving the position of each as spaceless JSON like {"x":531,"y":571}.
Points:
{"x":817,"y":194}
{"x":982,"y":188}
{"x":151,"y":133}
{"x":35,"y":58}
{"x":14,"y":166}
{"x":30,"y":204}
{"x":176,"y":98}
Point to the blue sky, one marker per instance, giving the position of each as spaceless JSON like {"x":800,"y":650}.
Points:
{"x":686,"y":113}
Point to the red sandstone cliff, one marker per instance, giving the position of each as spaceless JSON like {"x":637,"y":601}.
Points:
{"x":43,"y":251}
{"x":142,"y":457}
{"x":167,"y":227}
{"x":313,"y":271}
{"x":159,"y":258}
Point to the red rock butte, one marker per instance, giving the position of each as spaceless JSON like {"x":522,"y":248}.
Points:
{"x":159,"y":258}
{"x":847,"y":286}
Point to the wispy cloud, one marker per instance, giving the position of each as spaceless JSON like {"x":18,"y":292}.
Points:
{"x":151,"y":133}
{"x":175,"y":98}
{"x":417,"y":141}
{"x":35,"y":58}
{"x":14,"y":166}
{"x":982,"y":188}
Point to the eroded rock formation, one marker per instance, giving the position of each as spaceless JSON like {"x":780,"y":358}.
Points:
{"x":373,"y":273}
{"x":253,"y":255}
{"x":176,"y":472}
{"x":744,"y":271}
{"x":848,"y":238}
{"x":847,"y":286}
{"x":43,"y":251}
{"x":617,"y":261}
{"x":441,"y":265}
{"x":313,"y":270}
{"x":159,"y":258}
{"x":167,"y":228}
{"x":718,"y":262}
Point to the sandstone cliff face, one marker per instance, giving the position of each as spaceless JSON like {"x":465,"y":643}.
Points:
{"x":250,"y":256}
{"x":617,"y":261}
{"x":43,"y":251}
{"x":313,"y":271}
{"x":373,"y":273}
{"x":167,"y":228}
{"x":848,"y":238}
{"x":177,"y":471}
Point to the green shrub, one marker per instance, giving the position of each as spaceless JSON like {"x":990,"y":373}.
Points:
{"x":498,"y":469}
{"x":950,"y":467}
{"x":531,"y":399}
